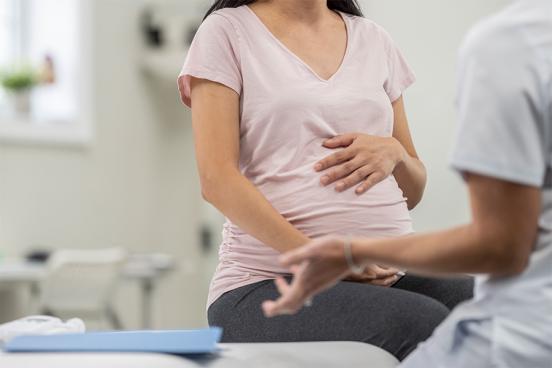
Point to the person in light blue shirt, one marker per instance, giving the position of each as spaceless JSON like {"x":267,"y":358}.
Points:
{"x":504,"y":152}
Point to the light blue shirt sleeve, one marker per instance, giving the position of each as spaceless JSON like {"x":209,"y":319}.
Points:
{"x":500,"y":99}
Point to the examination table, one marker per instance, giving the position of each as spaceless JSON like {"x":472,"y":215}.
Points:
{"x":256,"y":355}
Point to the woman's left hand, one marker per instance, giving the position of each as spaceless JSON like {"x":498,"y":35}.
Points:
{"x":377,"y":275}
{"x":365,"y":160}
{"x":316,"y":267}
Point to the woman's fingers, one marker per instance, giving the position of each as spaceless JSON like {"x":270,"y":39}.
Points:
{"x":352,"y":172}
{"x":370,"y":181}
{"x":343,"y":171}
{"x":385,"y":276}
{"x":335,"y":159}
{"x":343,"y":140}
{"x":388,"y":281}
{"x":382,"y":273}
{"x":358,"y":176}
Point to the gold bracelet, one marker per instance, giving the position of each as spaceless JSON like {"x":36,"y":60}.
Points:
{"x":356,"y":269}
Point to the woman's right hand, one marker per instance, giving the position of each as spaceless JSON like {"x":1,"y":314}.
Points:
{"x":362,"y":160}
{"x":376,"y":275}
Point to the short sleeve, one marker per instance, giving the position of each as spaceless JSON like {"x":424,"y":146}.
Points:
{"x":400,"y":75}
{"x":213,"y":55}
{"x":501,"y":132}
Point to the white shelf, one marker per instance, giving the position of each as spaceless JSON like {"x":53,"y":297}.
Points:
{"x":29,"y":131}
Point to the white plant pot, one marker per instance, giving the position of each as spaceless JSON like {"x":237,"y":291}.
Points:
{"x":20,"y":102}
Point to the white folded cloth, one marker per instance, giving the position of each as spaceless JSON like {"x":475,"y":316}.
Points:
{"x":39,"y":325}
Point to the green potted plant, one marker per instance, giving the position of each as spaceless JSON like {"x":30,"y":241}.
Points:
{"x":18,"y":84}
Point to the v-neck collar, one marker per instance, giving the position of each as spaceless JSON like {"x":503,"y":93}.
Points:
{"x":295,"y":56}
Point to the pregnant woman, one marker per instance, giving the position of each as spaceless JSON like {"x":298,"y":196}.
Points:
{"x":300,"y":132}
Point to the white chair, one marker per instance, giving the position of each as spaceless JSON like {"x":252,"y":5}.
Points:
{"x":79,"y":283}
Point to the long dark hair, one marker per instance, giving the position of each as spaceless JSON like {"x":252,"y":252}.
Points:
{"x":345,"y":6}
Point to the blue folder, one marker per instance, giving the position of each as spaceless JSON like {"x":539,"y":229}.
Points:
{"x":181,"y":342}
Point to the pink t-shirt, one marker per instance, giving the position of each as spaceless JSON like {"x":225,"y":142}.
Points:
{"x":286,"y":112}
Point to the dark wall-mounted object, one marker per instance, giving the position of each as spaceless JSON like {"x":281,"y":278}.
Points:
{"x":206,"y":238}
{"x":38,"y":255}
{"x":153,"y":33}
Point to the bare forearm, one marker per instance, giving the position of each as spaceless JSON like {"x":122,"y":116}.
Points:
{"x":409,"y":171}
{"x":239,"y":200}
{"x":411,"y":176}
{"x":455,"y":251}
{"x":498,"y":241}
{"x":215,"y":118}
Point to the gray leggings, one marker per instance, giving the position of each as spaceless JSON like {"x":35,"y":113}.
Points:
{"x":395,"y":319}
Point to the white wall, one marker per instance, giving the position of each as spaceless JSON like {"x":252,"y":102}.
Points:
{"x":136,"y":186}
{"x":429,"y":33}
